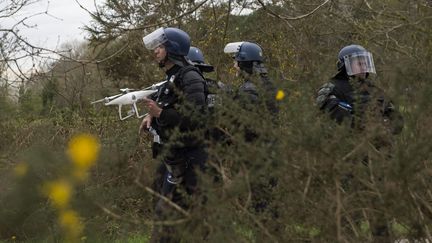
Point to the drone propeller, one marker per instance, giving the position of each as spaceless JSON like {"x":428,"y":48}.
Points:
{"x":126,"y":90}
{"x":155,"y":86}
{"x":106,"y":99}
{"x":97,"y":101}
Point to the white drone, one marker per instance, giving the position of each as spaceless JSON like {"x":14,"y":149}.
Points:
{"x":130,"y":97}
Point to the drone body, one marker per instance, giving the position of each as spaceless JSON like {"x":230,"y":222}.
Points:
{"x":130,"y":98}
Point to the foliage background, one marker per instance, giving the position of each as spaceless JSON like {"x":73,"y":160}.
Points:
{"x":309,"y":155}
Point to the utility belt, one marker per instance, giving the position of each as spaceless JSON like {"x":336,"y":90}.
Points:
{"x":176,"y":170}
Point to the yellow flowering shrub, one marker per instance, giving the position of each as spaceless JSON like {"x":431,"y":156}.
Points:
{"x":83,"y":150}
{"x":280,"y":95}
{"x":59,"y":192}
{"x":71,"y":224}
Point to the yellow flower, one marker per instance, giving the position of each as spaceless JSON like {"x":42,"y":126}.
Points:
{"x":280,"y":95}
{"x":83,"y":150}
{"x":71,"y":224}
{"x":21,"y":169}
{"x":13,"y":237}
{"x":59,"y":192}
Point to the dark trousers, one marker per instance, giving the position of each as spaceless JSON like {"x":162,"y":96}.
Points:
{"x":181,"y":194}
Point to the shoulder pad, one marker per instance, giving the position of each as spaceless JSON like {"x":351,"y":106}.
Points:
{"x":186,"y":69}
{"x":192,"y":73}
{"x":324,"y":93}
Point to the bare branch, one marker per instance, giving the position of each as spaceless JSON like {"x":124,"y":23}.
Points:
{"x":15,"y":8}
{"x":286,"y":18}
{"x":136,"y":221}
{"x":256,"y":221}
{"x":165,"y":199}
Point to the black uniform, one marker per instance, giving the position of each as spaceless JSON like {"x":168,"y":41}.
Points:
{"x":216,"y":91}
{"x":361,"y":103}
{"x":179,"y":139}
{"x":346,"y":99}
{"x":256,"y":89}
{"x":257,"y":94}
{"x":252,"y":92}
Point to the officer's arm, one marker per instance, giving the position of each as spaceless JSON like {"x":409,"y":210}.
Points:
{"x":328,"y":101}
{"x":248,"y":91}
{"x":169,"y":117}
{"x":192,"y":112}
{"x":193,"y":89}
{"x":192,"y":86}
{"x":270,"y":97}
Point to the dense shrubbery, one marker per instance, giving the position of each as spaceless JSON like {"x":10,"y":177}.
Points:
{"x":307,"y":154}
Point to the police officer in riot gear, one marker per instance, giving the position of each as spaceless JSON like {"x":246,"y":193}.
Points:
{"x":256,"y":95}
{"x":346,"y":95}
{"x":351,"y":97}
{"x":174,"y":120}
{"x":215,"y":92}
{"x":249,"y":63}
{"x":196,"y":56}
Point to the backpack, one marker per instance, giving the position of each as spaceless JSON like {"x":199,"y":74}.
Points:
{"x":180,"y":74}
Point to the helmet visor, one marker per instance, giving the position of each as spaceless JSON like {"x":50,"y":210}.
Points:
{"x":233,"y":47}
{"x":155,"y":39}
{"x":360,"y":62}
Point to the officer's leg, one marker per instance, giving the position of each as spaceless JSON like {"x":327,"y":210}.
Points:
{"x":159,"y":178}
{"x":160,"y":170}
{"x":194,"y":196}
{"x":176,"y":193}
{"x":163,"y":212}
{"x":196,"y":162}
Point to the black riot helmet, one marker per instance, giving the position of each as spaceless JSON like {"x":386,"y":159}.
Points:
{"x":196,"y":56}
{"x":249,"y":56}
{"x":355,"y":59}
{"x":175,"y":41}
{"x":245,"y":51}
